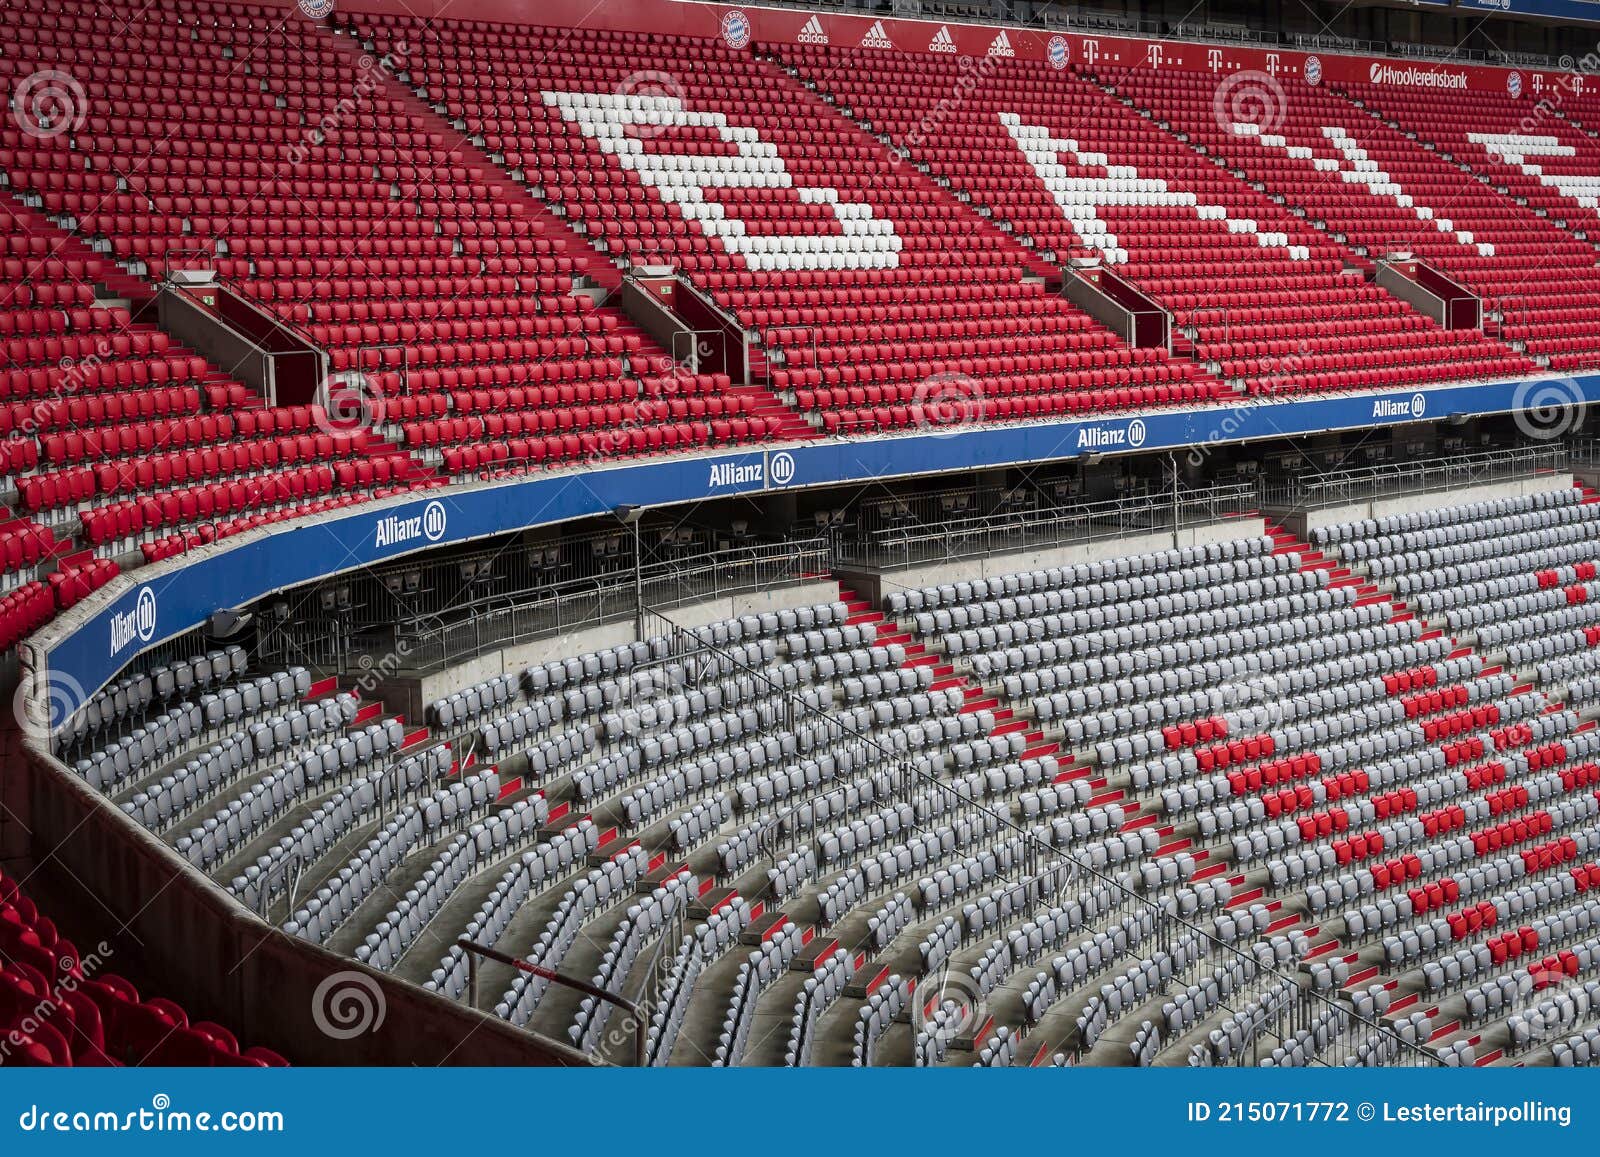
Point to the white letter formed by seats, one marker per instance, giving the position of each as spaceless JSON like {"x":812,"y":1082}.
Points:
{"x":866,"y":240}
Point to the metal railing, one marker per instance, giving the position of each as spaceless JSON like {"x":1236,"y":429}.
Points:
{"x":370,"y":361}
{"x":448,"y":635}
{"x":690,"y":347}
{"x":782,"y":355}
{"x":1584,"y":451}
{"x":1337,"y":487}
{"x":936,"y":537}
{"x":641,"y":1023}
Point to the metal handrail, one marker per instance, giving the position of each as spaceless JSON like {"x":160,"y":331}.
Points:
{"x":473,"y":950}
{"x":378,"y":368}
{"x":500,"y":619}
{"x":279,"y":321}
{"x":1337,"y":486}
{"x":767,"y":332}
{"x":948,"y":538}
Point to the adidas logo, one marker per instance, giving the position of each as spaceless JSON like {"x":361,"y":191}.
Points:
{"x":813,"y":33}
{"x":876,"y":37}
{"x":1001,"y":45}
{"x":942,"y":40}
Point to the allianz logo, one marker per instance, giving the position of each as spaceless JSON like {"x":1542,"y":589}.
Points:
{"x":753,"y":473}
{"x":1413,"y":407}
{"x":430,"y":525}
{"x":139,"y":623}
{"x":1131,"y":436}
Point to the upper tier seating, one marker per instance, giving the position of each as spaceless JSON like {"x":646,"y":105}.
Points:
{"x":445,"y":213}
{"x":864,"y":279}
{"x":1542,"y":159}
{"x":117,"y":436}
{"x":364,"y":222}
{"x":1379,"y":192}
{"x":1076,"y":175}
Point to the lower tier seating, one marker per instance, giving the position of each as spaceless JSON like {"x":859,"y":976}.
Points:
{"x":1264,"y":801}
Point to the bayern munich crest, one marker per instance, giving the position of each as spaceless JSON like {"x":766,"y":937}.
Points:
{"x":735,"y":28}
{"x":1514,"y":84}
{"x":1058,"y":52}
{"x":1313,"y":71}
{"x":316,"y":9}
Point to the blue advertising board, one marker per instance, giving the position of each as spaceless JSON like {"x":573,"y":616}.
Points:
{"x":139,"y":612}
